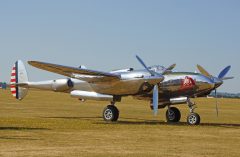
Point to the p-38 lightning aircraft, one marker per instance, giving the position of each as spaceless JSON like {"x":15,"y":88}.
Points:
{"x":159,"y":85}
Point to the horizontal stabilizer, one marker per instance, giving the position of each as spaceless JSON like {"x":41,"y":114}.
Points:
{"x":25,"y":85}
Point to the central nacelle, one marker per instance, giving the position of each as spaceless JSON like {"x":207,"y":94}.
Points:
{"x":61,"y":85}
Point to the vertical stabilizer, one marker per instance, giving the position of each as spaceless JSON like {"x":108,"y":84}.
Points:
{"x":18,"y":77}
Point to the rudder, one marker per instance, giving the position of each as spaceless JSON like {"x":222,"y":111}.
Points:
{"x":18,"y":77}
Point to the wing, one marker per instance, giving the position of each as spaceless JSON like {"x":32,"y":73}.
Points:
{"x":78,"y":73}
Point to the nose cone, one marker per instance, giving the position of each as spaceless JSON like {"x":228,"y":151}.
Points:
{"x":218,"y":82}
{"x":205,"y":83}
{"x":211,"y":84}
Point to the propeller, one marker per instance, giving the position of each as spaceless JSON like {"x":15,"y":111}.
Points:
{"x":144,"y":65}
{"x":155,"y":99}
{"x":216,"y":101}
{"x":218,"y":81}
{"x":224,"y":72}
{"x":203,"y":71}
{"x":156,"y":86}
{"x":169,"y":69}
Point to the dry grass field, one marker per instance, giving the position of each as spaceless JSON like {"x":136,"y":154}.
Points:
{"x":53,"y":124}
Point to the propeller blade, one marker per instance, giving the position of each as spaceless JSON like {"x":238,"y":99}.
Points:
{"x":216,"y":98}
{"x":203,"y":71}
{"x":224,"y":72}
{"x":171,"y":67}
{"x":155,"y":89}
{"x":227,"y":78}
{"x":155,"y":99}
{"x":144,"y":65}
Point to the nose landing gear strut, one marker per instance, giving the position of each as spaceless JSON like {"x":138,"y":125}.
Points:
{"x":193,"y":118}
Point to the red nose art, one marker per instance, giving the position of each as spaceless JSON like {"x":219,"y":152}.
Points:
{"x":187,"y":83}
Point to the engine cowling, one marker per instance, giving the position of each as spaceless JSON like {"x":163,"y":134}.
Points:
{"x":61,"y":85}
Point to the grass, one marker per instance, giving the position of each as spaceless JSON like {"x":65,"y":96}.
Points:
{"x":53,"y":124}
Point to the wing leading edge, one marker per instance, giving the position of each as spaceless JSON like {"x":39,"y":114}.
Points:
{"x":78,"y":73}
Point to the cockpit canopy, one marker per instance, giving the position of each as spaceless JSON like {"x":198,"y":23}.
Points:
{"x":157,"y":68}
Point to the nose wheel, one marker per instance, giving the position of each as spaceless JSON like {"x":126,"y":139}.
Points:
{"x":110,"y":113}
{"x":193,"y":118}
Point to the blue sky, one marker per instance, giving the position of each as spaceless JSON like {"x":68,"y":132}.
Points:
{"x":107,"y":34}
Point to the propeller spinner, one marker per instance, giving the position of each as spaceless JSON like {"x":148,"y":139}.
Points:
{"x":218,"y":81}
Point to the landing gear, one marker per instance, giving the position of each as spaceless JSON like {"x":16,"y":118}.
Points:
{"x":193,"y":118}
{"x":110,"y":113}
{"x":173,"y":114}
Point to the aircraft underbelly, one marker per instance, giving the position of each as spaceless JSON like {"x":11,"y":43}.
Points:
{"x":128,"y":87}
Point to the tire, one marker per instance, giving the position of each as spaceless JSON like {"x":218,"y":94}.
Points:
{"x":110,"y":113}
{"x":175,"y":115}
{"x":193,"y":119}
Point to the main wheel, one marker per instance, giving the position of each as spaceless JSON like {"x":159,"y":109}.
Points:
{"x":193,"y":119}
{"x":110,"y":113}
{"x":173,"y":115}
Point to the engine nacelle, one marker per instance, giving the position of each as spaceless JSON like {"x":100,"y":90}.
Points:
{"x":61,"y":85}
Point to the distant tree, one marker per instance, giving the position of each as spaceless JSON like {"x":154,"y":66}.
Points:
{"x":3,"y":85}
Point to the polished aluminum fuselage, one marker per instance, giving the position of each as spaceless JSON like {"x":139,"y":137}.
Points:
{"x":136,"y":83}
{"x":133,"y":83}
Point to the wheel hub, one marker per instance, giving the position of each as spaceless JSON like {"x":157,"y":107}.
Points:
{"x":192,"y":119}
{"x":108,"y":114}
{"x":171,"y":115}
